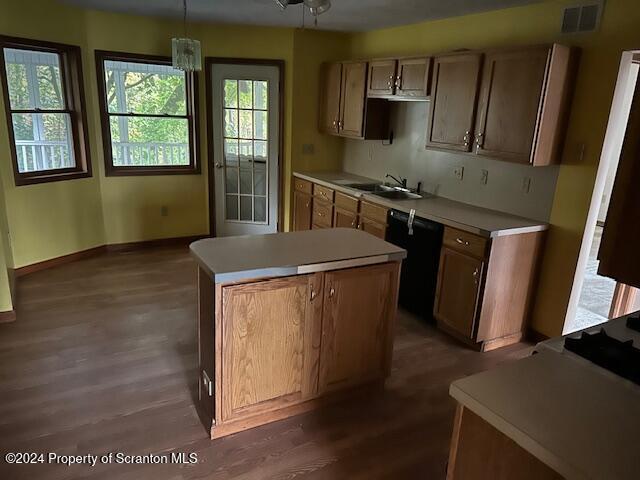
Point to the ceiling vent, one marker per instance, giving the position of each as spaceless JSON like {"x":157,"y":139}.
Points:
{"x":582,"y":18}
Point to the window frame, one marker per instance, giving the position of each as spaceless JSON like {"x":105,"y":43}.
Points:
{"x":72,"y":81}
{"x":192,"y":116}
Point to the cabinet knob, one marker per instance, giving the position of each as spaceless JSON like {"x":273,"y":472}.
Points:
{"x":313,"y":295}
{"x":307,"y":204}
{"x":332,"y":292}
{"x":398,"y":80}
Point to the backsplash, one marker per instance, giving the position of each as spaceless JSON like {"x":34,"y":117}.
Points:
{"x":408,"y":158}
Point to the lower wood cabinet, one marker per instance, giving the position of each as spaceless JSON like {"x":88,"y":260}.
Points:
{"x":485,"y":286}
{"x":357,"y":350}
{"x":282,"y":342}
{"x":316,"y":206}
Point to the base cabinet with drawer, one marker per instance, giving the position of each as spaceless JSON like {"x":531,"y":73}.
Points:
{"x":485,"y":286}
{"x":316,"y":206}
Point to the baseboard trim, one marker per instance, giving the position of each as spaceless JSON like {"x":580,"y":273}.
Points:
{"x":54,"y":262}
{"x":160,"y":242}
{"x":8,"y":317}
{"x":92,"y":252}
{"x":535,"y":337}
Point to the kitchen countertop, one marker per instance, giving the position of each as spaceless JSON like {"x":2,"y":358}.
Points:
{"x":569,"y":415}
{"x":477,"y":220}
{"x":232,"y":259}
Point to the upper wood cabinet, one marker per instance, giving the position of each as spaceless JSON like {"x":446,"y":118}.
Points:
{"x":399,"y":79}
{"x":453,"y":101}
{"x":331,"y":84}
{"x":413,"y":78}
{"x":357,"y":350}
{"x":382,"y":77}
{"x":520,"y":107}
{"x":345,"y":109}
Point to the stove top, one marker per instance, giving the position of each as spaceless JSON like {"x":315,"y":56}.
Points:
{"x":634,"y":323}
{"x":617,"y":356}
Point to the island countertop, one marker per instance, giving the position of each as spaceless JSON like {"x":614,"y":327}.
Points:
{"x":572,"y":416}
{"x":233,"y":259}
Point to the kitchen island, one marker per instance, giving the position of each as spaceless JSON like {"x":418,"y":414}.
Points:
{"x":287,"y":321}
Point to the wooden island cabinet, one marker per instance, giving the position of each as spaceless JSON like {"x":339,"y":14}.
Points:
{"x":303,"y":315}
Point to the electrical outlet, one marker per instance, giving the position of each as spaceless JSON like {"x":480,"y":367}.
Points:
{"x":458,"y":172}
{"x":526,"y":184}
{"x":484,"y":177}
{"x":164,"y":211}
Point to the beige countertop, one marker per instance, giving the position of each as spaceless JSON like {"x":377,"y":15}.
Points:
{"x":233,"y":259}
{"x":570,"y":415}
{"x":477,"y":220}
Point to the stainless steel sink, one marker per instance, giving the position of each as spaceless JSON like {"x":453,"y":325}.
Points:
{"x":370,"y":187}
{"x":397,"y":195}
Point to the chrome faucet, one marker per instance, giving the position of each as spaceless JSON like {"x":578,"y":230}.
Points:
{"x":402,"y":181}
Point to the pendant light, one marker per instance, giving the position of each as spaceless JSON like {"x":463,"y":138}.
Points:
{"x":185,"y":52}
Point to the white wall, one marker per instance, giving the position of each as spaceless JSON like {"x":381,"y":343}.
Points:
{"x":408,"y":157}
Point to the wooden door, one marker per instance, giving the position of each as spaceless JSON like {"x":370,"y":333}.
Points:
{"x":331,"y":83}
{"x":619,"y":254}
{"x":301,"y":211}
{"x":352,"y":101}
{"x":458,"y":289}
{"x":359,"y":305}
{"x":510,"y":103}
{"x":453,"y":101}
{"x":271,"y":343}
{"x":344,"y":218}
{"x":374,"y":228}
{"x":413,"y":77}
{"x":382,"y":75}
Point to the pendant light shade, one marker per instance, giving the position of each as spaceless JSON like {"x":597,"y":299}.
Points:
{"x":186,"y":54}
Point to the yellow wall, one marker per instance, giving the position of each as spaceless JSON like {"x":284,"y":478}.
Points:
{"x":54,"y":219}
{"x":539,"y":23}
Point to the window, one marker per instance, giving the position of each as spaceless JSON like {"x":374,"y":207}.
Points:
{"x":149,"y":120}
{"x":44,"y":102}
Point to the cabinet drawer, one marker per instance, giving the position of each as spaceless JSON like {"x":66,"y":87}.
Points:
{"x":346,"y":202}
{"x":302,"y":185}
{"x":373,"y":212}
{"x":323,"y":192}
{"x":465,"y":242}
{"x":322,"y":213}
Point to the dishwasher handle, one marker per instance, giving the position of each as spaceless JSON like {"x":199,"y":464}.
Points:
{"x":417,"y":222}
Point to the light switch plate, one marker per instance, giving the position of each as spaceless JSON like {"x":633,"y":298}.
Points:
{"x":458,"y":172}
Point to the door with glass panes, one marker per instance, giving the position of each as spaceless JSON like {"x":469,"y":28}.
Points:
{"x":245,"y":163}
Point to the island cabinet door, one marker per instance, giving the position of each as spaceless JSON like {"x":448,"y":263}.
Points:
{"x":271,"y":344}
{"x":359,"y":308}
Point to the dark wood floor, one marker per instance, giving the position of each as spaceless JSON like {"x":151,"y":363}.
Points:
{"x":103,"y":359}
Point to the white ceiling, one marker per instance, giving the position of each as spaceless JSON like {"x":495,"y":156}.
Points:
{"x":345,"y":15}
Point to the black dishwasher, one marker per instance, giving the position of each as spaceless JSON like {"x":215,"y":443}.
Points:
{"x":422,"y":239}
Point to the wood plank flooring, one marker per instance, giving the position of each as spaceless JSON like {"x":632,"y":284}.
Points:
{"x":103,"y":359}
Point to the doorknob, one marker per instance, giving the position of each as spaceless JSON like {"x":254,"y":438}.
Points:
{"x":218,"y":165}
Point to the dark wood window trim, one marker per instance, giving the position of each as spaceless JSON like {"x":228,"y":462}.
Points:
{"x":73,"y":86}
{"x":192,"y":117}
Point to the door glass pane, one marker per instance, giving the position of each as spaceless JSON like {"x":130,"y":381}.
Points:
{"x":260,"y":209}
{"x":245,"y":180}
{"x":232,"y":207}
{"x":246,"y":136}
{"x":245,"y":208}
{"x":260,"y":95}
{"x":260,"y":124}
{"x":231,"y":93}
{"x":245,"y":94}
{"x":231,"y":179}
